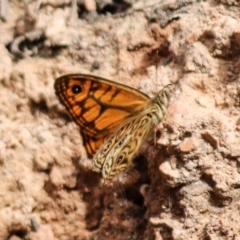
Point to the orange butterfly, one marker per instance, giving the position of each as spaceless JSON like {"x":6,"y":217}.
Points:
{"x":115,"y":119}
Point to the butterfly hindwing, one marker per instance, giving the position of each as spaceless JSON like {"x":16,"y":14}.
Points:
{"x":125,"y":143}
{"x":117,"y":153}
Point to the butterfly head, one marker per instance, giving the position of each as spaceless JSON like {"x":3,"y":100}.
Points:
{"x":163,"y":98}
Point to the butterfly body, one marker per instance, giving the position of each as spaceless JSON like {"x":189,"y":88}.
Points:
{"x":114,"y":119}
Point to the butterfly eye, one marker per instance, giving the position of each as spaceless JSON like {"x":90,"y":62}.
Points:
{"x":76,"y":88}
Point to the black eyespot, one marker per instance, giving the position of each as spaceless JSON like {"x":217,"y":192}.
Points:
{"x":76,"y":89}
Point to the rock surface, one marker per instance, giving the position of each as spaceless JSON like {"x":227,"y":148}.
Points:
{"x":186,"y":186}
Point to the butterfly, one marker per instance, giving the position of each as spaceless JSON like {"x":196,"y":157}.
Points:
{"x":114,"y":119}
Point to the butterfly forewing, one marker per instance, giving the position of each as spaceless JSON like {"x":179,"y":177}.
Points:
{"x":98,"y":105}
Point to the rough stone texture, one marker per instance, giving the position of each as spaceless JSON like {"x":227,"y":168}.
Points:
{"x":186,"y":186}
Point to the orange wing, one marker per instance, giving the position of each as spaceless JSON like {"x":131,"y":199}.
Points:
{"x":98,"y":105}
{"x":92,"y":144}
